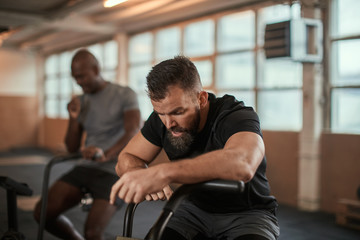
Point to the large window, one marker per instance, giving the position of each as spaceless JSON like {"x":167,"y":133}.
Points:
{"x":140,"y":61}
{"x":227,"y":50}
{"x":345,"y":71}
{"x":59,"y":84}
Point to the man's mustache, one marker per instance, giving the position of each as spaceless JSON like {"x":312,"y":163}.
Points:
{"x":178,"y":129}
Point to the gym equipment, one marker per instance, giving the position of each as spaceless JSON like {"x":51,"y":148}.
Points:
{"x":45,"y":187}
{"x":13,"y":188}
{"x":170,"y":207}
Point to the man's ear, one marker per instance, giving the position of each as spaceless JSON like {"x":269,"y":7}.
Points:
{"x":203,"y":99}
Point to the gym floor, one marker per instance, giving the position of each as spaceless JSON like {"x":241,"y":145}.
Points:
{"x":27,"y":166}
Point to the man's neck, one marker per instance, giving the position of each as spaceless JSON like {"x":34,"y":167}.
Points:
{"x":102,"y":84}
{"x":203,"y":116}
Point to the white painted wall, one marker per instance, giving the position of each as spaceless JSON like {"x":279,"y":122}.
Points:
{"x":18,"y":73}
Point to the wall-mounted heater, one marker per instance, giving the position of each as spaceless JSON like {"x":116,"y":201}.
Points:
{"x":298,"y":39}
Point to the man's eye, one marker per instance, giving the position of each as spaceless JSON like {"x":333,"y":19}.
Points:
{"x":178,"y":112}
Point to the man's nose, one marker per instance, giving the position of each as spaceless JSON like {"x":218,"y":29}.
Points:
{"x":169,"y":122}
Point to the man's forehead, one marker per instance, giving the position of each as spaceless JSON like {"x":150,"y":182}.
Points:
{"x":170,"y":104}
{"x":165,"y":106}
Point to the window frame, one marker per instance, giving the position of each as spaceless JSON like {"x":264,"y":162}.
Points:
{"x":330,"y":62}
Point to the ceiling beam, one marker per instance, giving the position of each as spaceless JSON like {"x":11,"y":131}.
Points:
{"x":78,"y":23}
{"x":178,"y":11}
{"x":16,"y":19}
{"x":132,"y":12}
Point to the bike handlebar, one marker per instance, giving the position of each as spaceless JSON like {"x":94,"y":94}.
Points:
{"x":184,"y":191}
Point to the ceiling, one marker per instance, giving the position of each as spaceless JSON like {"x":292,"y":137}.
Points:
{"x":54,"y":25}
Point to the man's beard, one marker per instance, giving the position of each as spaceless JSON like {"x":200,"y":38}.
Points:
{"x":183,"y":142}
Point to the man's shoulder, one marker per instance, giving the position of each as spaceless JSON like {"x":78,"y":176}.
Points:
{"x":227,"y":104}
{"x":121,"y":89}
{"x":229,"y":110}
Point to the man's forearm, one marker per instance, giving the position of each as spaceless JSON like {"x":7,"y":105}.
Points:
{"x":73,"y":135}
{"x":220,"y":164}
{"x":127,"y":162}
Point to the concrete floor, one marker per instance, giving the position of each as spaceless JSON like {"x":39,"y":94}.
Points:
{"x":28,"y":166}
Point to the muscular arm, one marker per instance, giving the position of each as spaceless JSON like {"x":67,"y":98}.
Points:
{"x":131,"y":127}
{"x":136,"y":155}
{"x":239,"y":160}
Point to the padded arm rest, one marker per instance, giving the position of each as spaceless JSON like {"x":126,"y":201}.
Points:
{"x":63,"y":158}
{"x":19,"y":188}
{"x":220,"y":186}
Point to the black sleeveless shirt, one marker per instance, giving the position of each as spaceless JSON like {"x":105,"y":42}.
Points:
{"x":226,"y":117}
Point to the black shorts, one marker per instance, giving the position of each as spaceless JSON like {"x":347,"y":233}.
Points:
{"x":189,"y":220}
{"x":91,"y":180}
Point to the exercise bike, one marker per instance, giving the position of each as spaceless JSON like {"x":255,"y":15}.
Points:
{"x":168,"y":210}
{"x":174,"y":202}
{"x":13,"y":189}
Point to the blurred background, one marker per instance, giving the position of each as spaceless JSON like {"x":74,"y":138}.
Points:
{"x":296,"y":62}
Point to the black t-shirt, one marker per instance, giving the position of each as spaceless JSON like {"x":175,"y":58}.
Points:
{"x":226,"y":117}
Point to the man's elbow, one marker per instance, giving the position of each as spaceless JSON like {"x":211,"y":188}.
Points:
{"x":245,"y":173}
{"x":121,"y":163}
{"x":117,"y":170}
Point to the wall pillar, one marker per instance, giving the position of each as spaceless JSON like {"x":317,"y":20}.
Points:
{"x":309,"y":138}
{"x":122,"y":39}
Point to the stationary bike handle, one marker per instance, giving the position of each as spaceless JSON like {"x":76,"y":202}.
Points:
{"x":183,"y":192}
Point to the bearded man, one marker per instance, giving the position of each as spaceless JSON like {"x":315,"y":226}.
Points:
{"x":205,"y":138}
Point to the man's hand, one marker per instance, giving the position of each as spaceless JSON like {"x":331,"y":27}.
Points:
{"x":93,"y":153}
{"x":74,"y":107}
{"x":165,"y":194}
{"x":138,"y":185}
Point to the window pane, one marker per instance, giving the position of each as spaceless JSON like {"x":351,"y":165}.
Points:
{"x":51,"y":107}
{"x":248,"y":97}
{"x":51,"y":86}
{"x":345,"y":110}
{"x":109,"y":75}
{"x":236,"y":31}
{"x":205,"y":71}
{"x":235,"y":70}
{"x":140,"y":48}
{"x":199,"y":38}
{"x":276,"y":13}
{"x":51,"y":65}
{"x":280,"y":110}
{"x":347,"y":55}
{"x":65,"y":86}
{"x":63,"y":107}
{"x":347,"y":17}
{"x":167,"y":43}
{"x":280,"y":73}
{"x":111,"y":55}
{"x":65,"y":62}
{"x":145,"y":105}
{"x":137,"y":77}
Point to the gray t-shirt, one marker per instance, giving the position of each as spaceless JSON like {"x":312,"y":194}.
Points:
{"x":102,"y":117}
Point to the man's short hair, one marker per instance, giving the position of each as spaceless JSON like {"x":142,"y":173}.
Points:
{"x":179,"y":71}
{"x":85,"y":55}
